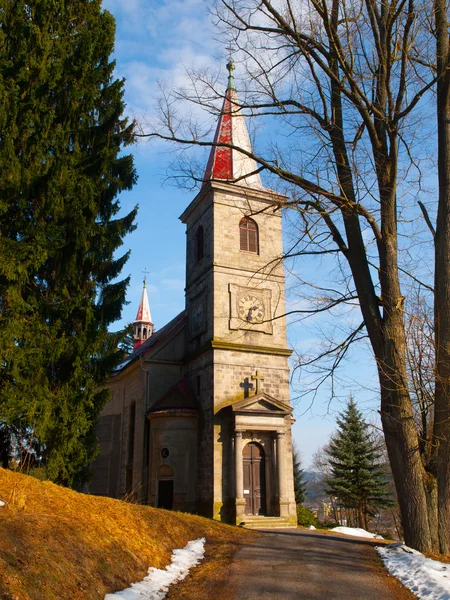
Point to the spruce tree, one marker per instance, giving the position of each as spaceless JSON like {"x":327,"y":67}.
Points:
{"x":61,"y":169}
{"x":356,"y":479}
{"x":299,"y":481}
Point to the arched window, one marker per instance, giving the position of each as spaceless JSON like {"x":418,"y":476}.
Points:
{"x":248,"y":234}
{"x":199,"y":243}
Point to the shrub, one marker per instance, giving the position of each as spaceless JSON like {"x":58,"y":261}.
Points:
{"x":305,"y":517}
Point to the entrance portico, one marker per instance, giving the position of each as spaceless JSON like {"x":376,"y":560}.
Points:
{"x":260,"y":426}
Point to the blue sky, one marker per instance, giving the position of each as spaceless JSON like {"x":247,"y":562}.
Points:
{"x":156,"y":42}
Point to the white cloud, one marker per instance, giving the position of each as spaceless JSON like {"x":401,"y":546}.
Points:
{"x":160,"y":42}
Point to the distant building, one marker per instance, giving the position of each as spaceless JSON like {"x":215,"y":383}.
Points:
{"x":199,"y":418}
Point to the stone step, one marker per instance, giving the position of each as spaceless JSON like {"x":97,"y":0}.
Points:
{"x":255,"y":522}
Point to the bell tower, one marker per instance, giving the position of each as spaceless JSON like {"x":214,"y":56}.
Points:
{"x":143,"y":325}
{"x":236,"y":346}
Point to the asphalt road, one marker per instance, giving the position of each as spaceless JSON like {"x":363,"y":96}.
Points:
{"x":307,"y":565}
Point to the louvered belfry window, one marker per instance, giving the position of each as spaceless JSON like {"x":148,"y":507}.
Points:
{"x":248,"y":231}
{"x":199,"y":243}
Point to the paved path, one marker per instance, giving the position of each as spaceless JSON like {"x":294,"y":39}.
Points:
{"x":307,"y":565}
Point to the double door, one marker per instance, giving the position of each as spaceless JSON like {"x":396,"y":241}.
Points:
{"x":254,"y":479}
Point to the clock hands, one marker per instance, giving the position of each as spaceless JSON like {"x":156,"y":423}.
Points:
{"x":250,"y":311}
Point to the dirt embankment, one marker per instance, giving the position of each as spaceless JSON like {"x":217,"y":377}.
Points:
{"x":58,"y":544}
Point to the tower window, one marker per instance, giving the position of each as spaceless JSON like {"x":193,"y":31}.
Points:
{"x":199,"y":243}
{"x":248,"y":235}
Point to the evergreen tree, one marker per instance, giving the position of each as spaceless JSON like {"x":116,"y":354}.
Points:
{"x":61,"y":169}
{"x":299,"y":481}
{"x":356,"y":476}
{"x":127,"y":343}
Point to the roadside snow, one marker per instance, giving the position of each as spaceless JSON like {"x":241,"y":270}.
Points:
{"x":356,"y":531}
{"x":156,"y":585}
{"x":425,"y":577}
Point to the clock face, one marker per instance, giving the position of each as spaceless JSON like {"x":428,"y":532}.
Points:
{"x":198,"y":313}
{"x":251,"y":308}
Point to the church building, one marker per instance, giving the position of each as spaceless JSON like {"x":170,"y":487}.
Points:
{"x":199,"y":418}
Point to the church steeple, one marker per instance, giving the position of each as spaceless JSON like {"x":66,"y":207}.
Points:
{"x":143,"y":325}
{"x":228,"y":164}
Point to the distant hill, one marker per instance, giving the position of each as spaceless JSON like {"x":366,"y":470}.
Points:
{"x":58,"y":544}
{"x":312,"y":476}
{"x":315,"y":493}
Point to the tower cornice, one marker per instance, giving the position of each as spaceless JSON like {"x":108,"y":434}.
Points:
{"x":269,"y":197}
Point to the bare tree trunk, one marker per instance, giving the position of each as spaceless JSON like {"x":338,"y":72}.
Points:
{"x":397,"y":414}
{"x":387,"y":334}
{"x":441,"y":432}
{"x":431,"y":491}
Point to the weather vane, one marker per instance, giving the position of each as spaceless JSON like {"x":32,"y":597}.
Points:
{"x":145,"y":273}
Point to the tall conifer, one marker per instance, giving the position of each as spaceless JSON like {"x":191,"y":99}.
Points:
{"x":299,"y":478}
{"x":356,"y":479}
{"x":61,"y":170}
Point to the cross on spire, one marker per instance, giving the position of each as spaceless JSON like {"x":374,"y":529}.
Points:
{"x":145,"y":276}
{"x":257,"y":378}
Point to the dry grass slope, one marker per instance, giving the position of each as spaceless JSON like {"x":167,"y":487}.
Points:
{"x":58,"y":544}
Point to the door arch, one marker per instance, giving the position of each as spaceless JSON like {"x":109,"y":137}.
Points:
{"x":165,"y":487}
{"x":254,"y":479}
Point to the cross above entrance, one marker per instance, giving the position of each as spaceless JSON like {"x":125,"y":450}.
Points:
{"x":247,"y":386}
{"x":257,"y":378}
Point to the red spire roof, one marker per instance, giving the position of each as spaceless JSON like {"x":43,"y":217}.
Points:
{"x":224,"y":163}
{"x":143,"y":313}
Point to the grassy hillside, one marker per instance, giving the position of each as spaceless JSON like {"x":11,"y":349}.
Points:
{"x":58,"y":544}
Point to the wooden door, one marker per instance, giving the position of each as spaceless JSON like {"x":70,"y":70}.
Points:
{"x":165,"y":494}
{"x":254,"y":479}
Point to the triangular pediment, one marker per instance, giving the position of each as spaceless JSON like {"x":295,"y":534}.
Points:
{"x":262,"y":404}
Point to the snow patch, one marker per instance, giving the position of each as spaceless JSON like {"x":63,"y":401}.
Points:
{"x":156,"y":585}
{"x":357,"y":532}
{"x":425,"y":577}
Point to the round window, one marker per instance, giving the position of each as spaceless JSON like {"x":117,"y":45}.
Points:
{"x":165,"y":452}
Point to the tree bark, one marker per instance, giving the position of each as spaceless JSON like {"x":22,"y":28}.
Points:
{"x":441,"y":431}
{"x":387,"y":334}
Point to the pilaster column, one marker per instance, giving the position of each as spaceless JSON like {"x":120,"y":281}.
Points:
{"x":281,"y":450}
{"x":281,"y":464}
{"x":239,"y":471}
{"x":238,"y":464}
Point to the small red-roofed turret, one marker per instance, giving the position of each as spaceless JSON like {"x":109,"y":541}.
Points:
{"x":143,"y":325}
